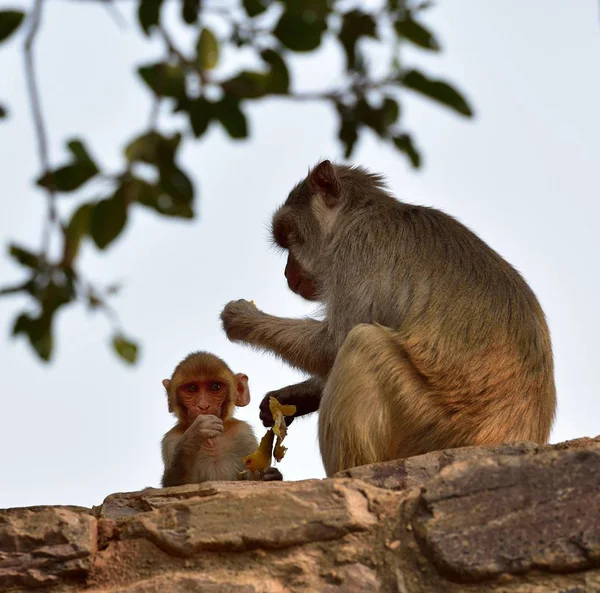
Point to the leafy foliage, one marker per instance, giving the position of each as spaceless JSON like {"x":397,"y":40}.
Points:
{"x":192,"y":83}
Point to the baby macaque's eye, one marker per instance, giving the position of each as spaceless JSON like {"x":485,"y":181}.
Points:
{"x":215,"y":386}
{"x":192,"y":388}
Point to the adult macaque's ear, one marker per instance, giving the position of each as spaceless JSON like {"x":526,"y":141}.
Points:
{"x":242,"y":390}
{"x":166,"y":384}
{"x":325,"y":180}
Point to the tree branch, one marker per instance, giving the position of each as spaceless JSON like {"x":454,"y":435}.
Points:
{"x":38,"y":120}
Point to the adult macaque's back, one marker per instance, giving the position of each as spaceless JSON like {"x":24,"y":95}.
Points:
{"x":431,"y":340}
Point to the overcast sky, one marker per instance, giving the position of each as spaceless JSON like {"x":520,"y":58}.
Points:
{"x":524,"y":175}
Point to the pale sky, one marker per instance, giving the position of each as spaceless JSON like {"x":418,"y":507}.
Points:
{"x":524,"y":175}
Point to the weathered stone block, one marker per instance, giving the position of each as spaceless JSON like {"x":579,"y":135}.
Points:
{"x":40,"y":546}
{"x":511,"y":515}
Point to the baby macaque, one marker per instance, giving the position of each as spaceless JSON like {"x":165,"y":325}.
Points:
{"x":207,"y":443}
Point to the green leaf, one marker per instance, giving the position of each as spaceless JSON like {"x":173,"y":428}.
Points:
{"x":278,"y":80}
{"x":175,"y":183}
{"x":78,"y":227}
{"x":189,"y":11}
{"x":416,"y":33}
{"x":24,"y":257}
{"x":247,"y":85}
{"x":348,"y":131}
{"x":378,"y":119}
{"x":126,"y":349}
{"x":390,"y":111}
{"x":232,"y":117}
{"x":108,"y":219}
{"x":149,"y":14}
{"x":165,"y":80}
{"x":81,"y":155}
{"x":355,"y":24}
{"x":10,"y":20}
{"x":3,"y":111}
{"x":66,"y":179}
{"x":72,"y":176}
{"x":438,"y":90}
{"x":254,"y":7}
{"x":153,"y":196}
{"x":201,"y":112}
{"x":298,"y":32}
{"x":405,"y":144}
{"x":38,"y":330}
{"x":207,"y":49}
{"x":152,"y":148}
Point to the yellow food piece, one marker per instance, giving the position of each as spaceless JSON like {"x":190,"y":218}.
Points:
{"x":279,"y":450}
{"x":261,"y":458}
{"x":278,"y":412}
{"x":279,"y":427}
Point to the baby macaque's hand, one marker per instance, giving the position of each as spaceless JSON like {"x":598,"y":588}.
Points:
{"x":271,"y":474}
{"x":206,"y":426}
{"x":239,"y":318}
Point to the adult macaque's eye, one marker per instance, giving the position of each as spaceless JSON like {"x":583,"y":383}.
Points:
{"x":215,"y":386}
{"x":193,"y":388}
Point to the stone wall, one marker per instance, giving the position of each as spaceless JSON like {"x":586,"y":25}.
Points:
{"x":513,"y":519}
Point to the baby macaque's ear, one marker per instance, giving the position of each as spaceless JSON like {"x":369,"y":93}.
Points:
{"x":242,"y":389}
{"x":324,"y":179}
{"x":166,"y":384}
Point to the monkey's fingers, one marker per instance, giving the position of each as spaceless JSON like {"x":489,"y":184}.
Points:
{"x":207,"y":433}
{"x":267,"y":418}
{"x":271,"y":474}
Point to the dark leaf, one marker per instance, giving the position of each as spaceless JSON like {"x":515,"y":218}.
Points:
{"x":149,"y":14}
{"x":3,"y":111}
{"x":299,"y":32}
{"x":165,"y":80}
{"x":207,"y":49}
{"x":378,"y":119}
{"x":405,"y":144}
{"x":108,"y":219}
{"x":10,"y":20}
{"x":201,"y":112}
{"x":78,"y":227}
{"x":390,"y":110}
{"x":59,"y":291}
{"x":176,"y":184}
{"x":247,"y":85}
{"x":39,"y":332}
{"x":348,"y":132}
{"x":24,"y":257}
{"x":416,"y":33}
{"x":126,"y":349}
{"x":153,"y":196}
{"x":152,"y":148}
{"x":66,"y":179}
{"x":254,"y":7}
{"x":356,"y":24}
{"x":278,"y":80}
{"x":232,"y":117}
{"x":81,"y":155}
{"x":437,"y":90}
{"x":72,"y":176}
{"x":144,"y":148}
{"x":189,"y":11}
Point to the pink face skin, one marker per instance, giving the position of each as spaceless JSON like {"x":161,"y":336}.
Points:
{"x":204,"y":396}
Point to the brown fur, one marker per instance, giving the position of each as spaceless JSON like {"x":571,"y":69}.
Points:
{"x":208,"y":448}
{"x":431,"y":340}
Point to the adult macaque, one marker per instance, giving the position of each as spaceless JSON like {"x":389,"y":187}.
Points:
{"x":431,"y":340}
{"x":207,"y":443}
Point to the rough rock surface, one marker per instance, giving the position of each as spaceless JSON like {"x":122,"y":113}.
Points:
{"x":517,"y":518}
